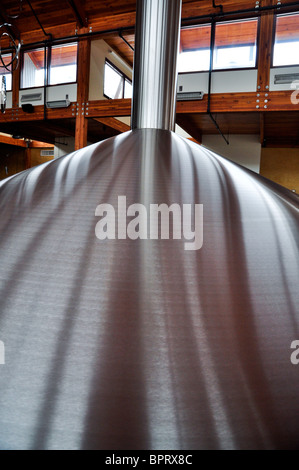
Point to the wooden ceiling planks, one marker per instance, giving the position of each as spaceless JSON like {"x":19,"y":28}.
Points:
{"x":120,"y":46}
{"x":287,"y":27}
{"x":57,"y":16}
{"x":227,"y":34}
{"x":279,"y":128}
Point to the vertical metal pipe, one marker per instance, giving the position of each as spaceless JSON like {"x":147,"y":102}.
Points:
{"x":155,"y":63}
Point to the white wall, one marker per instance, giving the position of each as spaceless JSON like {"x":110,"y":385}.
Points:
{"x":99,"y":52}
{"x":63,"y":145}
{"x":229,"y":81}
{"x":242,"y":149}
{"x":57,"y":92}
{"x":125,"y":120}
{"x":181,"y":132}
{"x":62,"y":92}
{"x":281,"y":71}
{"x":9,"y":99}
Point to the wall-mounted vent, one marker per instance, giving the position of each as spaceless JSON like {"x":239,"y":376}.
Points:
{"x":31,"y":97}
{"x":47,"y":153}
{"x":285,"y":78}
{"x":58,"y":104}
{"x":190,"y":95}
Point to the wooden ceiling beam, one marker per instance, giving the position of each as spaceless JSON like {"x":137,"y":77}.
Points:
{"x":5,"y":139}
{"x":220,"y":103}
{"x":13,"y":30}
{"x":114,"y":123}
{"x":78,"y":10}
{"x":35,"y":144}
{"x":188,"y":125}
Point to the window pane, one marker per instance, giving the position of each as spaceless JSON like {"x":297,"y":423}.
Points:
{"x":33,"y":69}
{"x":63,"y":68}
{"x":194,"y":61}
{"x":128,"y":89}
{"x":286,"y":47}
{"x":113,"y":83}
{"x":195,"y":49}
{"x":6,"y":59}
{"x":235,"y":44}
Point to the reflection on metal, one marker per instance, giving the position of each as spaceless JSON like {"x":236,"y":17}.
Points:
{"x":123,"y":344}
{"x":140,"y":344}
{"x":13,"y":63}
{"x":155,"y":64}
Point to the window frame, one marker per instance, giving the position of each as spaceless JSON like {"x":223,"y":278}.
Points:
{"x":4,"y":54}
{"x":206,"y":24}
{"x":48,"y":65}
{"x":121,"y":73}
{"x":239,"y":20}
{"x":50,"y":57}
{"x":276,"y":16}
{"x":23,"y":52}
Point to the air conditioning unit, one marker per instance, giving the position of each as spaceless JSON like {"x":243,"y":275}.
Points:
{"x":285,"y":78}
{"x":190,"y":95}
{"x":31,"y":97}
{"x":47,"y":153}
{"x":58,"y":104}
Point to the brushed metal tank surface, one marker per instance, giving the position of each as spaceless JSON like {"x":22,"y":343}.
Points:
{"x":141,"y":344}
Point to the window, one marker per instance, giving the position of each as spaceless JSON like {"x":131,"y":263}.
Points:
{"x":116,"y":84}
{"x":128,"y":89}
{"x":63,"y":67}
{"x":6,"y":58}
{"x":235,"y":44}
{"x":195,"y":49}
{"x":286,"y":46}
{"x":33,"y":68}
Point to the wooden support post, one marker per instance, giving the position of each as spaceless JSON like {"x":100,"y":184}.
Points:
{"x":82,"y":93}
{"x":28,"y":156}
{"x":16,"y":86}
{"x":81,"y":131}
{"x":262,"y":129}
{"x":265,"y":49}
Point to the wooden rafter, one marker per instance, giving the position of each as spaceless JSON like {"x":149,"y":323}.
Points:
{"x":114,"y":123}
{"x":5,"y":139}
{"x":79,"y":12}
{"x":189,"y":126}
{"x":13,"y":30}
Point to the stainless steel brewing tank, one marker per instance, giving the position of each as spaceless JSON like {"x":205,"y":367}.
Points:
{"x":142,"y":344}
